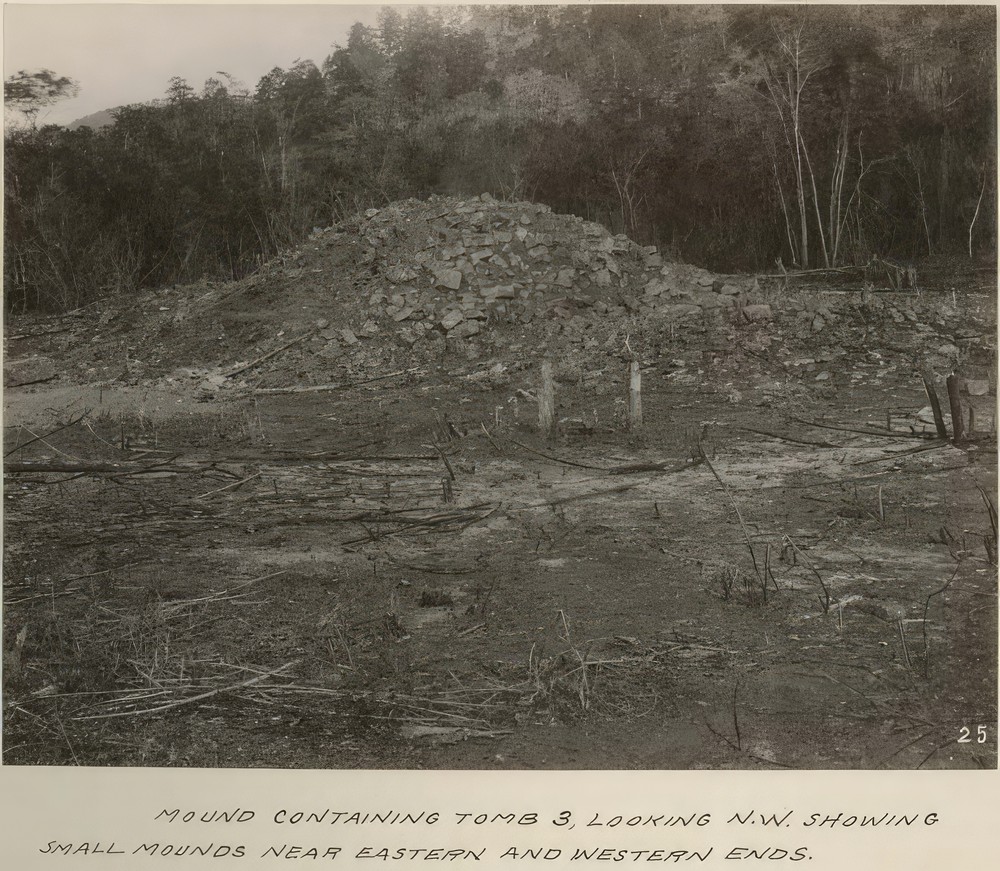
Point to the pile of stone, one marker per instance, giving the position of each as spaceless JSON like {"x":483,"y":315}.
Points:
{"x":452,"y":267}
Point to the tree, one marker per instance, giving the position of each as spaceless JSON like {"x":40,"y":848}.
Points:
{"x":29,"y":93}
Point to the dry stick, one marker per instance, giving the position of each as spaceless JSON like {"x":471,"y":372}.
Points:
{"x":955,"y":404}
{"x":932,"y":397}
{"x":555,"y":459}
{"x":902,"y":640}
{"x":496,"y":447}
{"x":444,"y":459}
{"x":270,"y":354}
{"x":198,"y":698}
{"x":48,"y":434}
{"x":60,"y":466}
{"x":908,"y":452}
{"x":794,"y":441}
{"x":871,"y":432}
{"x":927,"y":605}
{"x":319,"y":388}
{"x":825,"y":601}
{"x":229,"y":486}
{"x":736,"y":722}
{"x":736,"y":508}
{"x":920,"y":764}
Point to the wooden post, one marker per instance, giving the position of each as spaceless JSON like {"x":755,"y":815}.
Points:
{"x":547,"y":402}
{"x":955,"y":401}
{"x":932,"y":397}
{"x":634,"y":396}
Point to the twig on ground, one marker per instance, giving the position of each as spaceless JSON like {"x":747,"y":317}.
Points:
{"x":198,"y":698}
{"x":229,"y":486}
{"x":49,"y":434}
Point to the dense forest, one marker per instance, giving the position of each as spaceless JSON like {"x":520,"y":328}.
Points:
{"x":729,"y":136}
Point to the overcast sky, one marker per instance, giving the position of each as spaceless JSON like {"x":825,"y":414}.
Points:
{"x":127,"y":53}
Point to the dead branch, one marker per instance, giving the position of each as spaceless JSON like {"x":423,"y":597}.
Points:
{"x":320,"y":388}
{"x":49,"y":434}
{"x":265,"y":357}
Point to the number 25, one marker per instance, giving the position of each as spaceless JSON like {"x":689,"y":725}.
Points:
{"x":965,"y":735}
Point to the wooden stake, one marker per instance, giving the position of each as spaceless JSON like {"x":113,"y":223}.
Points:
{"x":635,"y":396}
{"x":955,"y":401}
{"x":932,"y":397}
{"x":547,"y":402}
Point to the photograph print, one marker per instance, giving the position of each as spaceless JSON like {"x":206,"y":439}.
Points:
{"x":500,"y":387}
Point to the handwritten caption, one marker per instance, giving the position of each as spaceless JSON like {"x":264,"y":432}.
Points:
{"x":463,"y":839}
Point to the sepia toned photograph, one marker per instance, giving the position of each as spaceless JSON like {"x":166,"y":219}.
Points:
{"x":500,"y":387}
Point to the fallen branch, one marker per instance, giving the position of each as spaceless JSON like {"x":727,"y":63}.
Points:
{"x":555,"y":459}
{"x":265,"y":357}
{"x":871,"y":432}
{"x":321,"y":388}
{"x":229,"y":486}
{"x":783,"y":438}
{"x":72,"y":423}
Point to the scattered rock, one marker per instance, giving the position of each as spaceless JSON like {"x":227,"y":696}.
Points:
{"x":449,"y":278}
{"x":451,"y":320}
{"x":760,"y":312}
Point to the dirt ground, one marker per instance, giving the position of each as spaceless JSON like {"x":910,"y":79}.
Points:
{"x":406,"y":574}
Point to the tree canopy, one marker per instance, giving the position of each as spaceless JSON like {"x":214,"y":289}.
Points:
{"x":731,"y":136}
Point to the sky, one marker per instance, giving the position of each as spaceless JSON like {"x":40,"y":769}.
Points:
{"x":123,"y":54}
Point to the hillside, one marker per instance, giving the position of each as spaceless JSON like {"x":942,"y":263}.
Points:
{"x":95,"y":120}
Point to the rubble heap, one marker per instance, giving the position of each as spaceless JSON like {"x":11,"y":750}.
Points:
{"x":452,"y":267}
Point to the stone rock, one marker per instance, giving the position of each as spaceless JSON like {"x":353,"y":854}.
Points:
{"x":676,"y":312}
{"x":348,"y":337}
{"x":602,"y":278}
{"x":976,"y":387}
{"x":730,"y":289}
{"x":452,"y":319}
{"x":565,"y":277}
{"x":22,"y":371}
{"x":322,"y":324}
{"x":449,"y":278}
{"x":403,"y":314}
{"x":761,"y":312}
{"x":464,"y":330}
{"x":400,"y":274}
{"x":948,"y":351}
{"x":538,"y":251}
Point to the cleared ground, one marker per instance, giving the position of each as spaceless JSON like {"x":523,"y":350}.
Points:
{"x":405,"y":574}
